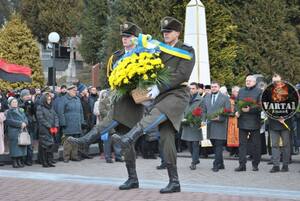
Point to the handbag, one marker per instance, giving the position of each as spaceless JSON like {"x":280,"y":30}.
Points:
{"x":24,"y":138}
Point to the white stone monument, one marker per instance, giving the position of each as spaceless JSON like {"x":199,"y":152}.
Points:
{"x":195,"y":35}
{"x":71,"y":70}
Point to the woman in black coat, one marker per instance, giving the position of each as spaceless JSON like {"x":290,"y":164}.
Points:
{"x":48,"y":127}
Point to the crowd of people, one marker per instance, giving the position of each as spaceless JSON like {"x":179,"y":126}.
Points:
{"x":48,"y":117}
{"x":75,"y":110}
{"x":77,"y":116}
{"x":244,"y":133}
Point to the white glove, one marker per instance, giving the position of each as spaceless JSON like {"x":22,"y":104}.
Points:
{"x":153,"y":91}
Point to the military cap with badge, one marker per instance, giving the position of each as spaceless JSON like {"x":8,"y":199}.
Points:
{"x":129,"y":29}
{"x":169,"y":24}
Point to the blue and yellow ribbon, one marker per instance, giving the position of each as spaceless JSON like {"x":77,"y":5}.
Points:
{"x":147,"y":42}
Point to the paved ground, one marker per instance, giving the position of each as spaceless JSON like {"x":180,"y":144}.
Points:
{"x":96,"y":180}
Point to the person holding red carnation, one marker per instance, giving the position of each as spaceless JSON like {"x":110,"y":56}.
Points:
{"x":216,"y":103}
{"x":190,"y":133}
{"x":48,"y":128}
{"x":249,"y":123}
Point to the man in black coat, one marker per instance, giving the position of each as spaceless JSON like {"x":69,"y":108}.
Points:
{"x":249,"y":124}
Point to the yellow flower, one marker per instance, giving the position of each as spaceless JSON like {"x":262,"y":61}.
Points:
{"x":145,"y":77}
{"x":153,"y":75}
{"x":125,"y":81}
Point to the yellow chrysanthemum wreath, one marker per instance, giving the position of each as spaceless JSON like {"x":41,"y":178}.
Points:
{"x":138,"y":70}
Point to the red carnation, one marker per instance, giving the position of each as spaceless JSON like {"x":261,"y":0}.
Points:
{"x":197,"y":112}
{"x":226,"y":110}
{"x":250,"y":100}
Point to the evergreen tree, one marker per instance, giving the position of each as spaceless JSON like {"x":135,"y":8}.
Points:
{"x":269,"y":40}
{"x":6,"y":8}
{"x":93,"y":28}
{"x":222,"y":44}
{"x":139,"y":12}
{"x":44,"y":17}
{"x":18,"y":46}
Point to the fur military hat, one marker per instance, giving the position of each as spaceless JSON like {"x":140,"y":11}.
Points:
{"x":168,"y":24}
{"x":129,"y":29}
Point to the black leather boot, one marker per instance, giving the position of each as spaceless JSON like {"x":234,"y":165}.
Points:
{"x":49,"y":162}
{"x":174,"y":185}
{"x":132,"y":181}
{"x":20,"y":162}
{"x":128,"y":139}
{"x":275,"y":169}
{"x":89,"y":138}
{"x":240,"y":168}
{"x":15,"y":163}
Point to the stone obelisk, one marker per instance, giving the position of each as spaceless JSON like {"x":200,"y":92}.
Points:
{"x":195,"y":34}
{"x":71,"y":70}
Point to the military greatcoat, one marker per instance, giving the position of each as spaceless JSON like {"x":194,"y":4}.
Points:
{"x":125,"y":111}
{"x":174,"y":97}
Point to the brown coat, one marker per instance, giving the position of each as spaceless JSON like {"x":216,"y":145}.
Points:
{"x":174,"y":98}
{"x":125,"y":111}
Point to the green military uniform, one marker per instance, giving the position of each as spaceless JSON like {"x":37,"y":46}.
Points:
{"x":124,"y":111}
{"x":126,"y":104}
{"x":172,"y":102}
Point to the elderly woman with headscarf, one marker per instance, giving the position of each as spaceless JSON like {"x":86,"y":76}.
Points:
{"x":16,"y":121}
{"x":48,"y":128}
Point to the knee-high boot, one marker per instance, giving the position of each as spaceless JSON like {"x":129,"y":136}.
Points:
{"x":174,"y":185}
{"x":127,"y":140}
{"x":89,"y":138}
{"x":132,"y":181}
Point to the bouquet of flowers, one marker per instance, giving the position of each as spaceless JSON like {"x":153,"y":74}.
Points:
{"x":139,"y":70}
{"x":223,"y":111}
{"x":246,"y":102}
{"x":193,"y":118}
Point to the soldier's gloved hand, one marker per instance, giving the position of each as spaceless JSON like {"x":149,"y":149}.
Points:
{"x":153,"y":91}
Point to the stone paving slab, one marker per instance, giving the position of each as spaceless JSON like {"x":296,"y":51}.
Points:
{"x":12,"y":189}
{"x":248,"y":184}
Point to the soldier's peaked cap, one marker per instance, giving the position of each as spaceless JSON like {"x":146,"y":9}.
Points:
{"x":168,"y":24}
{"x":129,"y":28}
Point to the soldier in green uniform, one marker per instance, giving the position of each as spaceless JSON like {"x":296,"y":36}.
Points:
{"x":124,"y":112}
{"x":170,"y":102}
